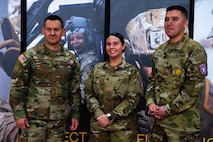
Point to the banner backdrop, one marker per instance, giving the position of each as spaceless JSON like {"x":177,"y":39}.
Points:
{"x":203,"y":29}
{"x":141,"y":23}
{"x":69,"y":11}
{"x":203,"y":33}
{"x":10,"y":33}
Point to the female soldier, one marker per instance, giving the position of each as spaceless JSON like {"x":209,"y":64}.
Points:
{"x":112,"y":92}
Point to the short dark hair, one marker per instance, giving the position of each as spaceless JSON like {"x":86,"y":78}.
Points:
{"x":54,"y":17}
{"x":180,"y":8}
{"x":118,"y":35}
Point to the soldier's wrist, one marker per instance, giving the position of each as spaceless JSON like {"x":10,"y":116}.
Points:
{"x":109,"y":116}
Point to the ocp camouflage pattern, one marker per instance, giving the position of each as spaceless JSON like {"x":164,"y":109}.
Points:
{"x":46,"y":87}
{"x":114,"y":90}
{"x":177,"y":79}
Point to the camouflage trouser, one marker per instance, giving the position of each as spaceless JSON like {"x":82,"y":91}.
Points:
{"x":44,"y":131}
{"x":160,"y":134}
{"x":115,"y":136}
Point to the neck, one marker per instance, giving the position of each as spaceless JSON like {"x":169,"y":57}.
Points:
{"x":176,"y":39}
{"x":52,"y":47}
{"x":115,"y":61}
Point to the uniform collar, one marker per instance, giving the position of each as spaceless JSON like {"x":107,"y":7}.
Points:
{"x":43,"y":49}
{"x":179,"y":44}
{"x":121,"y":65}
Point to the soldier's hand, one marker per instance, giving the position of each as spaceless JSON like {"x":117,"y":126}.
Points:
{"x":153,"y":109}
{"x":22,"y":123}
{"x":104,"y":121}
{"x":161,"y":114}
{"x":74,"y":124}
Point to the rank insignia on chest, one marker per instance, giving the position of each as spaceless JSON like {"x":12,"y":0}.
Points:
{"x":178,"y":71}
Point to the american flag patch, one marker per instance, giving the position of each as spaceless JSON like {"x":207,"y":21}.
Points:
{"x":208,"y":101}
{"x":22,"y":58}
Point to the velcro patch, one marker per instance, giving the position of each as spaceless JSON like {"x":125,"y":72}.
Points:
{"x":203,"y":69}
{"x":22,"y":58}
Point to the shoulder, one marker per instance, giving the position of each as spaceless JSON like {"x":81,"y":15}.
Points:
{"x":100,"y":65}
{"x":161,"y":48}
{"x":195,"y":48}
{"x":33,"y":51}
{"x":69,"y":53}
{"x":128,"y":65}
{"x":128,"y":68}
{"x":192,"y":44}
{"x":28,"y":55}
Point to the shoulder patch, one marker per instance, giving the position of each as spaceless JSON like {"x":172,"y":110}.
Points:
{"x":22,"y":58}
{"x":203,"y":69}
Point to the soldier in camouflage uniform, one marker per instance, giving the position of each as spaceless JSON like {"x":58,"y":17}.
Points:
{"x":45,"y":87}
{"x":112,"y":92}
{"x":178,"y":72}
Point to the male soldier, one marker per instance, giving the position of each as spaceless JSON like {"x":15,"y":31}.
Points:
{"x":178,"y":72}
{"x":45,"y":85}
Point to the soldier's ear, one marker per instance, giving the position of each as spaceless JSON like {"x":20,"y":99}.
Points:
{"x":42,"y":30}
{"x":186,"y":24}
{"x":124,"y":47}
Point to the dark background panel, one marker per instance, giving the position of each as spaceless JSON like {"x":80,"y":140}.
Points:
{"x":121,"y":11}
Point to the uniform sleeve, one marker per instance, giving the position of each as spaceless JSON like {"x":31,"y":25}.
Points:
{"x":92,"y":103}
{"x":149,"y":96}
{"x":131,"y":99}
{"x":75,"y":90}
{"x":196,"y":71}
{"x":19,"y":86}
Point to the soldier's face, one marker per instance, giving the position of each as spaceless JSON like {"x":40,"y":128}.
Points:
{"x":114,"y":47}
{"x":53,"y":32}
{"x":77,"y":41}
{"x":175,"y":24}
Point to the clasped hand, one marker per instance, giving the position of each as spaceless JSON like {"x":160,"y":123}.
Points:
{"x":157,"y":111}
{"x":103,"y":120}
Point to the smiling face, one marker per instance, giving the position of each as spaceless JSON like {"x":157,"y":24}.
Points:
{"x":53,"y":31}
{"x":78,"y":41}
{"x":175,"y":24}
{"x":114,"y":47}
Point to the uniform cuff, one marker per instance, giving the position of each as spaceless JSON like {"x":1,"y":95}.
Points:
{"x":98,"y":113}
{"x":76,"y":116}
{"x":150,"y":101}
{"x":19,"y":114}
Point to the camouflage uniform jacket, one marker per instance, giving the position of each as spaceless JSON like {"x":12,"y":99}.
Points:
{"x":178,"y":74}
{"x":44,"y":86}
{"x":114,"y":90}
